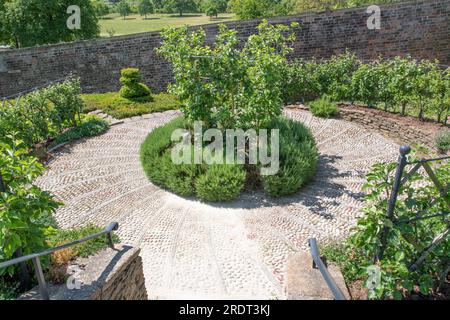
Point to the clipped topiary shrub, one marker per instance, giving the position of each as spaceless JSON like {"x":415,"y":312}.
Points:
{"x":298,"y":159}
{"x":323,"y":108}
{"x":225,"y":182}
{"x":132,"y":88}
{"x":221,"y":183}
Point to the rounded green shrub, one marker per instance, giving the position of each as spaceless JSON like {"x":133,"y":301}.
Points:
{"x":157,"y":163}
{"x":222,"y":182}
{"x":132,"y":88}
{"x":298,"y":159}
{"x":323,"y":108}
{"x":225,"y":182}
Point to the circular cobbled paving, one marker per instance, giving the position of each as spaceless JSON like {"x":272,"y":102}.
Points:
{"x":213,"y":251}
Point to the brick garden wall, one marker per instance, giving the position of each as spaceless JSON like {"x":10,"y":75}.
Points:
{"x":418,"y":28}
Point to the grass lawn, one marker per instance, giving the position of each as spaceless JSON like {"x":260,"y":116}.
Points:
{"x":154,"y":22}
{"x":116,"y":106}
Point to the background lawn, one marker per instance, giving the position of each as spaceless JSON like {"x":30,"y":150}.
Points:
{"x":135,"y":23}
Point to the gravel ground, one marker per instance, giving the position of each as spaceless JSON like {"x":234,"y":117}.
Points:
{"x":213,"y":251}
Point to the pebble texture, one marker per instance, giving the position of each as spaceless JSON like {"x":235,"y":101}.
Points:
{"x":206,"y":251}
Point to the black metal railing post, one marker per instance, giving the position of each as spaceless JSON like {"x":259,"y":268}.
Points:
{"x":402,"y":162}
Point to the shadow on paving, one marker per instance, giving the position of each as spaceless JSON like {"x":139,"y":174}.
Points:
{"x":317,"y":195}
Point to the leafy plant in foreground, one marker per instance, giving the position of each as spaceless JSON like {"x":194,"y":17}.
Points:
{"x":24,"y":206}
{"x":407,"y":239}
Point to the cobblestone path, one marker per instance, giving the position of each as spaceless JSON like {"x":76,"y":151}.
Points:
{"x":196,"y":250}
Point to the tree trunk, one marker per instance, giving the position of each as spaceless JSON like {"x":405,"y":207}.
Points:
{"x":25,"y":278}
{"x":403,"y":108}
{"x":2,"y":184}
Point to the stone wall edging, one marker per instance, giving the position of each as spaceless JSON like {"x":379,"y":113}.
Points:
{"x":390,"y":126}
{"x":108,"y":275}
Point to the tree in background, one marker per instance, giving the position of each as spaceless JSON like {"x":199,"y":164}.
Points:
{"x":123,"y":8}
{"x":158,"y":5}
{"x":299,"y":6}
{"x":180,"y":6}
{"x":251,"y":9}
{"x":212,"y":11}
{"x":213,"y":7}
{"x":101,"y":8}
{"x":3,"y":36}
{"x":25,"y":23}
{"x":210,"y":8}
{"x":145,"y":7}
{"x":220,"y":5}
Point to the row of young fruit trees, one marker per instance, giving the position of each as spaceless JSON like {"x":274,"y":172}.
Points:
{"x":235,"y":86}
{"x":401,"y":85}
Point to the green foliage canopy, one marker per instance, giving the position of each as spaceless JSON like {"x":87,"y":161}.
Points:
{"x":27,"y":23}
{"x":226,"y":86}
{"x":24,"y":206}
{"x":145,"y":7}
{"x":180,"y":6}
{"x":123,"y":8}
{"x":252,"y":9}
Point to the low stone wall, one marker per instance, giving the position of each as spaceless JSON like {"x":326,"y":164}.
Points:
{"x":402,"y":130}
{"x":108,"y":275}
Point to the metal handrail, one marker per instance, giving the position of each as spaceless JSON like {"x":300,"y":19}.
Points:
{"x":337,"y":293}
{"x":37,"y":263}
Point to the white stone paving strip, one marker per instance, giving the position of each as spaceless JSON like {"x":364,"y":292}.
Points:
{"x":194,"y":250}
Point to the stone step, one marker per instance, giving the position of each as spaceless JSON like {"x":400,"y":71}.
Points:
{"x":305,"y":283}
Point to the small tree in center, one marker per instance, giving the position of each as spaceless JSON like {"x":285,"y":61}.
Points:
{"x":228,"y":86}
